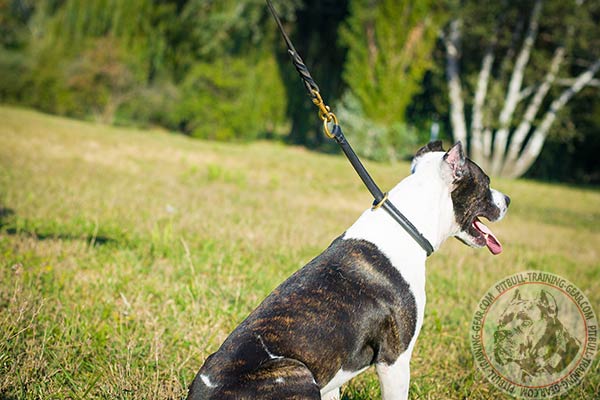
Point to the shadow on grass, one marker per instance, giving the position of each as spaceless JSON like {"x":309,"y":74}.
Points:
{"x":5,"y":213}
{"x":7,"y":225}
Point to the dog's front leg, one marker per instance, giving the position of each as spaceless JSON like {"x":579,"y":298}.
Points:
{"x":394,"y":379}
{"x":331,"y":395}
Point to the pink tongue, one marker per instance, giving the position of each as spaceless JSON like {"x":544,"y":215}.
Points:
{"x":490,"y":240}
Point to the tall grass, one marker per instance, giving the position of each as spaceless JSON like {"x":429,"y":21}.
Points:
{"x":126,"y":257}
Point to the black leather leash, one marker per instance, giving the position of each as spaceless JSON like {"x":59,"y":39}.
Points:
{"x":328,"y":117}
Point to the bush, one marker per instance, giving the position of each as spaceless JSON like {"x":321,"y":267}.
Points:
{"x":13,"y":66}
{"x":103,"y":78}
{"x":232,"y":98}
{"x":374,"y":140}
{"x":152,"y":105}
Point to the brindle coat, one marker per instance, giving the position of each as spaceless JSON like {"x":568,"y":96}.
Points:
{"x":291,"y":345}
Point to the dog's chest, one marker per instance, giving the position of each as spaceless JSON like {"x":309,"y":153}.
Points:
{"x":404,"y":255}
{"x":386,"y":313}
{"x":402,"y":296}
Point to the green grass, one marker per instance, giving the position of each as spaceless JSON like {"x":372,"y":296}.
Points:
{"x":127,"y":256}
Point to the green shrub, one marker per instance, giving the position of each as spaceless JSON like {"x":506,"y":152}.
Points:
{"x":374,"y":140}
{"x":232,"y":98}
{"x":13,"y":66}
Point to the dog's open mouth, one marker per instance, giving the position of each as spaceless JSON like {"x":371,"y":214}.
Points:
{"x":491,"y":241}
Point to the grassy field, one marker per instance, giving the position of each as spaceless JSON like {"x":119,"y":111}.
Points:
{"x":127,"y":256}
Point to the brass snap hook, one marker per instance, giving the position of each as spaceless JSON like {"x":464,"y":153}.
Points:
{"x":324,"y":113}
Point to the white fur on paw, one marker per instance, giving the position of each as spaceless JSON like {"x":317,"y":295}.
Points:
{"x":332,"y":395}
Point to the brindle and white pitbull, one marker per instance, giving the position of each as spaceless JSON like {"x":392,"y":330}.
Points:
{"x":361,"y":301}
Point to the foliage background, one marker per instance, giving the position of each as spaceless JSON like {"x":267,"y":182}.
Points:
{"x":127,"y":255}
{"x":219,"y":70}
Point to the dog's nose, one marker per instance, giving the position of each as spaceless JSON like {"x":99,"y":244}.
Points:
{"x":507,"y":200}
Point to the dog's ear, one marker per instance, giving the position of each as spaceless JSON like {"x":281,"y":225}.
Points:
{"x":516,"y":296}
{"x":429,"y":147}
{"x":547,"y":303}
{"x":456,"y":160}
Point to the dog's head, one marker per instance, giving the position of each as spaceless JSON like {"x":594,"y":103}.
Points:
{"x":472,"y":197}
{"x":530,"y":335}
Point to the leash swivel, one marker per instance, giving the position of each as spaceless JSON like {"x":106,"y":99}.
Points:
{"x":325,"y":113}
{"x":335,"y":132}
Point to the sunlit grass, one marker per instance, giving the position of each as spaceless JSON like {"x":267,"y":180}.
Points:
{"x":126,"y":257}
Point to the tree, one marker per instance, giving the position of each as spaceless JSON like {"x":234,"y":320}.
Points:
{"x":88,"y":57}
{"x":541,"y":43}
{"x":232,"y":98}
{"x":313,"y":30}
{"x":231,"y":86}
{"x":389,"y":50}
{"x":14,"y":16}
{"x":206,"y":68}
